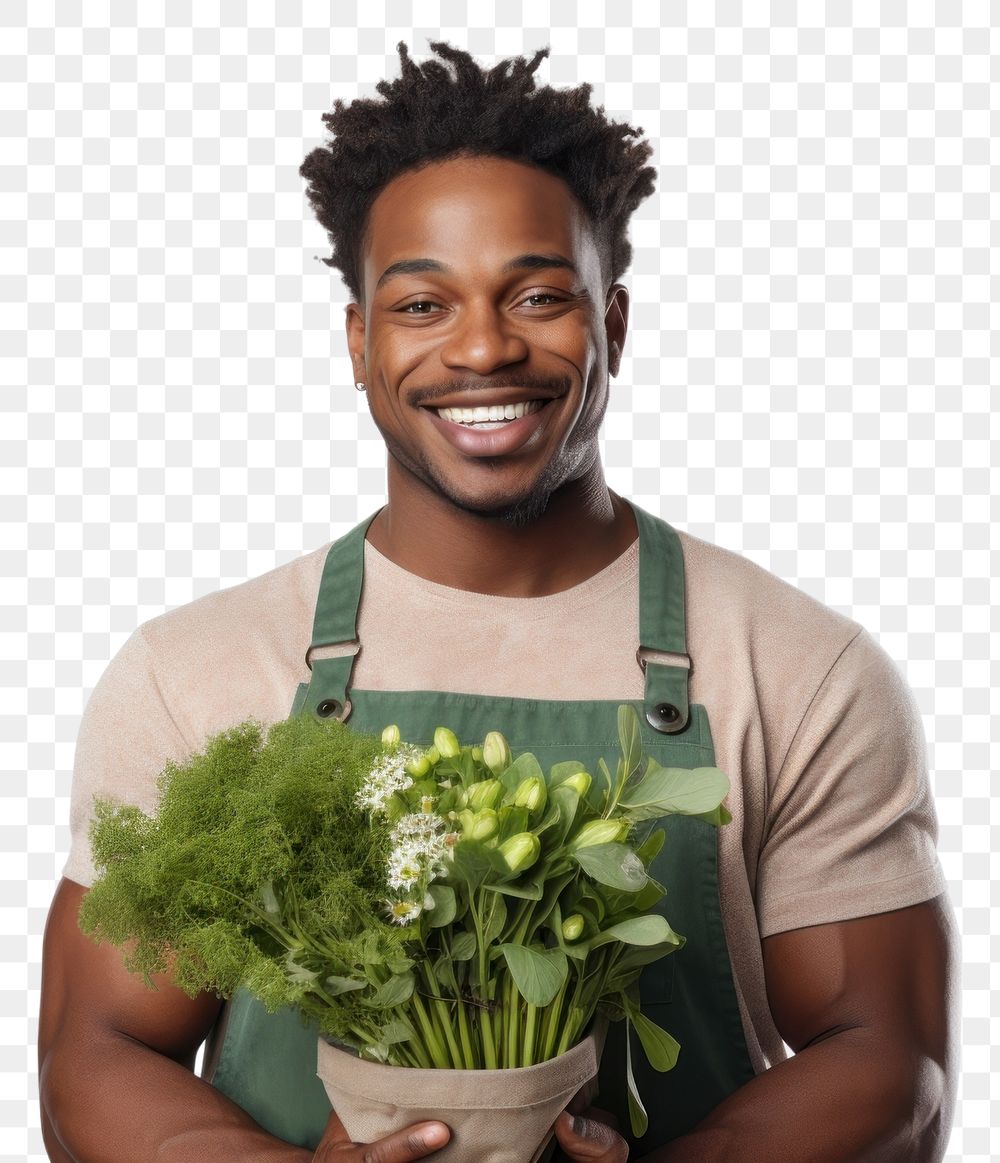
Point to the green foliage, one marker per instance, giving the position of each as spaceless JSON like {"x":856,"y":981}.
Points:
{"x":257,"y":847}
{"x":277,"y":856}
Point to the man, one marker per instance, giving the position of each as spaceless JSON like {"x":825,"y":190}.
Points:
{"x":480,"y":226}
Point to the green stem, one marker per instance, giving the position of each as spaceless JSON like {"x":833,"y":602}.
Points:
{"x":489,"y":1045}
{"x":441,"y":1012}
{"x":470,"y":1058}
{"x":528,"y":1047}
{"x":550,"y":1026}
{"x":515,"y":1022}
{"x":433,"y":1045}
{"x":480,"y":944}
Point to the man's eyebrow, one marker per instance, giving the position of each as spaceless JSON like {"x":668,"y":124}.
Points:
{"x":523,"y":262}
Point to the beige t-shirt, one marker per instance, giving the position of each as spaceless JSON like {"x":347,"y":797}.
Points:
{"x":812,"y":721}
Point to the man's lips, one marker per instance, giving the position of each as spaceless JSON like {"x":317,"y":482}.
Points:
{"x":491,"y":441}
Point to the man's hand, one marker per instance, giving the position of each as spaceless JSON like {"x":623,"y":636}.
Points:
{"x":590,"y":1137}
{"x":415,"y":1142}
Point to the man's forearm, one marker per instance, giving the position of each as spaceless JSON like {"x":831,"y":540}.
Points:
{"x":844,"y":1097}
{"x":109,"y":1097}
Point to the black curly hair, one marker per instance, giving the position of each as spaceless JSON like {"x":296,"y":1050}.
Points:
{"x":430,"y":115}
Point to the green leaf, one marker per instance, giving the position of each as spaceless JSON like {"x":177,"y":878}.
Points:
{"x":646,"y":897}
{"x":651,"y":929}
{"x":463,"y":947}
{"x":636,"y":1111}
{"x":269,"y":900}
{"x":552,"y":816}
{"x":538,"y":973}
{"x":473,"y":863}
{"x":394,"y":992}
{"x":718,"y":816}
{"x":336,"y":985}
{"x":649,"y":849}
{"x":615,"y":865}
{"x":566,"y":801}
{"x":496,"y":920}
{"x":525,"y":766}
{"x":445,"y":905}
{"x":681,"y":790}
{"x":513,"y":821}
{"x":560,"y":772}
{"x":395,"y":1031}
{"x":629,"y":964}
{"x":528,"y":890}
{"x":605,"y":773}
{"x":296,"y":972}
{"x":660,"y":1047}
{"x":628,"y":738}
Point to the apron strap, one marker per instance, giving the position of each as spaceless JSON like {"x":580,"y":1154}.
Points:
{"x":662,"y":625}
{"x":336,"y":622}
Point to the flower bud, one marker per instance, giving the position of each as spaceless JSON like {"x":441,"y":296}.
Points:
{"x":477,"y":754}
{"x":390,"y":734}
{"x":521,"y":851}
{"x":433,"y":755}
{"x":572,"y":927}
{"x":579,"y":781}
{"x":418,"y":767}
{"x":478,"y":825}
{"x":484,"y":825}
{"x":599,"y":832}
{"x":496,"y":752}
{"x":485,"y":794}
{"x":531,"y":793}
{"x":465,"y":818}
{"x":447,"y":743}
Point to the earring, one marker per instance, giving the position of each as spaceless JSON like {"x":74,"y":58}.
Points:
{"x":360,"y":386}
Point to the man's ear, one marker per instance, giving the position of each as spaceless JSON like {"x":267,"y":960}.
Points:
{"x":616,"y":324}
{"x":354,"y":323}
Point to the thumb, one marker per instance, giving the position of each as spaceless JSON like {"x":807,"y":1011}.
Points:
{"x":582,"y":1138}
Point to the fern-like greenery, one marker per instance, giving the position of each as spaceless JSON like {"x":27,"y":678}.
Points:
{"x":257,"y":870}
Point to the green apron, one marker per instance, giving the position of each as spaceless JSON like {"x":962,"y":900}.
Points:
{"x":267,"y":1063}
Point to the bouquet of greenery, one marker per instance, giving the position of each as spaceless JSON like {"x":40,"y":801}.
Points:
{"x":450,"y":908}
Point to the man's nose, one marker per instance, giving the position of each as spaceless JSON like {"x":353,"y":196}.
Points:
{"x":482,"y":339}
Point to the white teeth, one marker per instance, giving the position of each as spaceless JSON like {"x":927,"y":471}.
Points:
{"x":492,"y":412}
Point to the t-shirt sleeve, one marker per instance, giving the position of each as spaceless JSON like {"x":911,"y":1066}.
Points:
{"x":126,"y":736}
{"x":851,"y":827}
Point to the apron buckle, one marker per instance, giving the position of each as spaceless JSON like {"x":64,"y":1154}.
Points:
{"x":333,"y":709}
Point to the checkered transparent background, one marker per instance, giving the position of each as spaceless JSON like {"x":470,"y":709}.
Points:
{"x":807,"y":380}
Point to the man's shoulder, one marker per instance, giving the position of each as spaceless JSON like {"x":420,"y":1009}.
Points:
{"x":272,"y":601}
{"x":732,"y":591}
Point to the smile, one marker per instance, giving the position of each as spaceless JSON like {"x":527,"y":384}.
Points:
{"x":495,"y":415}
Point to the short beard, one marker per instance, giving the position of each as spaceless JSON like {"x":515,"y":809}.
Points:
{"x":518,"y":514}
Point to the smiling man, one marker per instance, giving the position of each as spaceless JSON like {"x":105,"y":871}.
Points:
{"x":480,"y":226}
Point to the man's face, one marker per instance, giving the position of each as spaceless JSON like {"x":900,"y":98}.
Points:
{"x":502,"y":302}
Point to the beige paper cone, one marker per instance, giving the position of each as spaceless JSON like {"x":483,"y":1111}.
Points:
{"x":495,"y":1116}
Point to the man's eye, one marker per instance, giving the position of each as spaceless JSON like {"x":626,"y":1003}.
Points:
{"x":418,"y":303}
{"x":544,"y":295}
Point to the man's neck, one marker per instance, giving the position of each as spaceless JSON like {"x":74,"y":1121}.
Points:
{"x":583,"y":529}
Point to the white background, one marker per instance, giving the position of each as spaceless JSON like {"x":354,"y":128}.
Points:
{"x":806,"y":382}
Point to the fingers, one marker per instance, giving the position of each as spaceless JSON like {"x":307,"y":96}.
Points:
{"x":589,"y":1139}
{"x":416,"y":1142}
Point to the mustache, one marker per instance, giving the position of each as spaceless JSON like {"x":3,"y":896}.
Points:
{"x":548,"y":385}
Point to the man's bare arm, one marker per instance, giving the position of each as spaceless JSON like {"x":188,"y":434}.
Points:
{"x":116,"y":1061}
{"x":870,"y":1006}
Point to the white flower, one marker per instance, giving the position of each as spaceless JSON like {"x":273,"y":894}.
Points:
{"x":405,"y":867}
{"x":423,"y":825}
{"x":402,"y":912}
{"x":385,"y":778}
